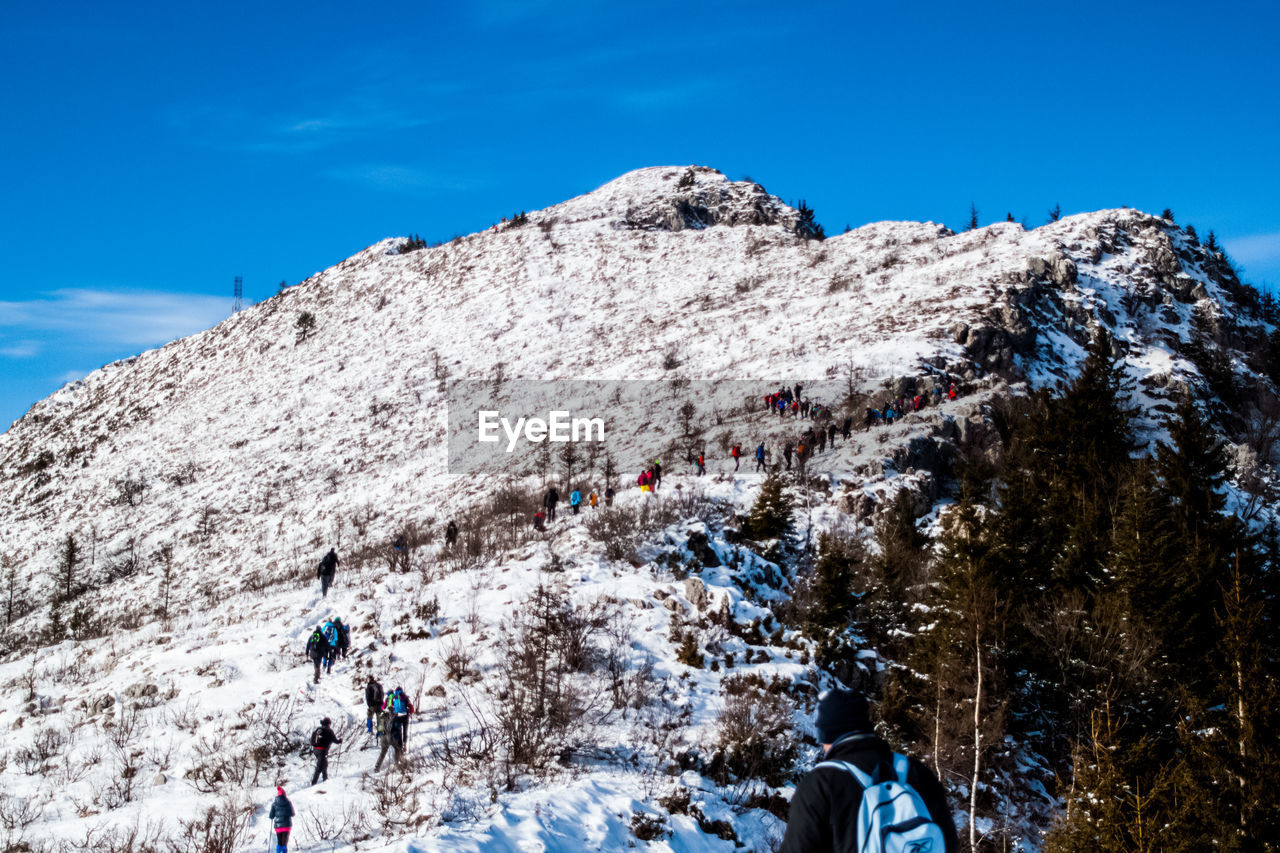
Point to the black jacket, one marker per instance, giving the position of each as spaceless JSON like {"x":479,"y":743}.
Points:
{"x":281,"y":813}
{"x":323,"y":738}
{"x":328,"y":564}
{"x":824,"y":810}
{"x":373,"y":694}
{"x":317,"y":646}
{"x":552,"y":498}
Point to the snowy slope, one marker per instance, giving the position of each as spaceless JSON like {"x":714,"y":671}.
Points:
{"x":248,"y":451}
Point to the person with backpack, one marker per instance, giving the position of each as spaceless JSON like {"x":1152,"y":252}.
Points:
{"x":575,"y":500}
{"x":787,"y":450}
{"x":735,"y":452}
{"x":331,"y":633}
{"x":657,"y":473}
{"x":281,"y":817}
{"x":389,"y":737}
{"x":317,"y":650}
{"x":593,"y":499}
{"x":549,"y":502}
{"x":847,"y":428}
{"x":539,"y":521}
{"x":760,"y":457}
{"x":321,"y":739}
{"x":832,"y":432}
{"x":608,"y":495}
{"x":372,"y":702}
{"x":451,"y":534}
{"x":702,"y":463}
{"x":863,"y":796}
{"x":400,"y":707}
{"x":344,"y":637}
{"x":326,"y":570}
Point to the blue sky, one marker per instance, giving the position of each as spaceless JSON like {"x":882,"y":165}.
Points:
{"x":152,"y":152}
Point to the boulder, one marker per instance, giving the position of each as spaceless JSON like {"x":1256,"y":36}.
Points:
{"x":160,"y":779}
{"x":696,"y":591}
{"x":700,"y":546}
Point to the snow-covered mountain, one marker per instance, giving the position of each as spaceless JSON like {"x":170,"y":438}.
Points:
{"x":201,"y":481}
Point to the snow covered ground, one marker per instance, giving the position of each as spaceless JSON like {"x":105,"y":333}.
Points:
{"x":237,"y":456}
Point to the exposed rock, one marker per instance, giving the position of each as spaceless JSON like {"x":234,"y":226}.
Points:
{"x":701,"y":548}
{"x":696,"y":591}
{"x":437,"y":691}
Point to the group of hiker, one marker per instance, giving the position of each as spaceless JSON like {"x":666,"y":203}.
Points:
{"x":861,"y":795}
{"x":387,"y":719}
{"x":892,"y":409}
{"x":551,"y":500}
{"x":328,"y":642}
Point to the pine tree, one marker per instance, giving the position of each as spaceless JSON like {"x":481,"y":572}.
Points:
{"x":1056,"y":213}
{"x":973,"y":217}
{"x":66,"y":581}
{"x":839,"y":558}
{"x":770,"y":518}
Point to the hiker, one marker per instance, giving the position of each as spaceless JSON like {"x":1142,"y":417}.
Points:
{"x":702,"y":463}
{"x":806,"y":408}
{"x":735,"y":452}
{"x":657,"y":473}
{"x":832,"y":432}
{"x":331,"y":635}
{"x":575,"y":500}
{"x":802,"y":455}
{"x":325,"y":571}
{"x":372,"y":702}
{"x":539,"y":522}
{"x":822,"y":440}
{"x":827,"y":802}
{"x":593,"y":499}
{"x":317,"y":649}
{"x":642,"y":480}
{"x":795,"y":392}
{"x":344,"y":637}
{"x":321,"y":739}
{"x":847,"y":429}
{"x":550,"y":501}
{"x":786,"y":453}
{"x":389,"y":737}
{"x":760,"y":456}
{"x":888,"y":415}
{"x":451,"y":534}
{"x":608,"y":495}
{"x":398,"y":704}
{"x":281,"y":816}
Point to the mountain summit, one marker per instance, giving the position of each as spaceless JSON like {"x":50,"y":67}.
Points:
{"x":161,"y":519}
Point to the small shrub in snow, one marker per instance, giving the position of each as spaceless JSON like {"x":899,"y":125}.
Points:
{"x":649,"y":827}
{"x":756,"y":736}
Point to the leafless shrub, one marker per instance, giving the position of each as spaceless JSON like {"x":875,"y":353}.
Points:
{"x":336,"y":828}
{"x":136,"y":837}
{"x":274,"y":721}
{"x":17,"y":814}
{"x":219,"y":829}
{"x":756,"y":738}
{"x":459,"y":658}
{"x":48,"y":743}
{"x":397,"y":802}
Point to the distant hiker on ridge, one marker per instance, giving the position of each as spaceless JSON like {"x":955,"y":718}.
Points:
{"x":325,"y":571}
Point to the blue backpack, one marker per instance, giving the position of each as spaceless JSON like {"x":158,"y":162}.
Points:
{"x":893,"y":818}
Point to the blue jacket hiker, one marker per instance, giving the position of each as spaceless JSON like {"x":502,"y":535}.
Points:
{"x":575,"y":500}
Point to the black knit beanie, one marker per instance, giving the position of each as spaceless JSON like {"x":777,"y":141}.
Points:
{"x":840,"y":712}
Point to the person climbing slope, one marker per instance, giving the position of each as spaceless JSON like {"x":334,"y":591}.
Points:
{"x":281,"y":816}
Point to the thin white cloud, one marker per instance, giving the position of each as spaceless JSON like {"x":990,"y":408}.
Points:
{"x":1255,"y":250}
{"x":20,"y":349}
{"x":133,"y":318}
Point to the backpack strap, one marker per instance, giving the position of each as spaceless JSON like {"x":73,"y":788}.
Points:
{"x":863,"y":778}
{"x":901,"y":767}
